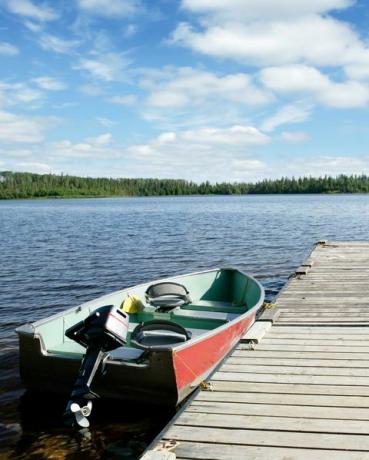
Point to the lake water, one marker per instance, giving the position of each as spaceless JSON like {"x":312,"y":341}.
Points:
{"x":59,"y":253}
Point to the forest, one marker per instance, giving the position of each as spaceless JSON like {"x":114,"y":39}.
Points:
{"x":30,"y":185}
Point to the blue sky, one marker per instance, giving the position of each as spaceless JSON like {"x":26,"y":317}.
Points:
{"x":235,"y":90}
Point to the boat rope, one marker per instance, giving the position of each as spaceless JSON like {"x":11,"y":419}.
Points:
{"x":268,"y":305}
{"x":206,"y":386}
{"x":166,"y":446}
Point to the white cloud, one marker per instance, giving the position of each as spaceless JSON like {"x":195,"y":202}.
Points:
{"x":235,"y":135}
{"x":319,"y":165}
{"x":256,"y":9}
{"x":23,"y":129}
{"x":301,"y":78}
{"x":110,"y":8}
{"x":200,"y":154}
{"x":127,"y":99}
{"x":49,"y":83}
{"x":106,"y":122}
{"x":103,"y":139}
{"x":288,"y":114}
{"x":18,"y":93}
{"x":56,"y":44}
{"x":28,"y":9}
{"x":32,"y":166}
{"x":185,"y":86}
{"x":130,"y":31}
{"x":100,"y":147}
{"x":107,"y":67}
{"x":279,"y":42}
{"x":294,"y":137}
{"x":6,"y":49}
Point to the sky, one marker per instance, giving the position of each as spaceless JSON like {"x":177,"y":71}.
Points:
{"x":236,"y":90}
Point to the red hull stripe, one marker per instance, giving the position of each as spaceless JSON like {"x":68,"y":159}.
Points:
{"x":197,"y":359}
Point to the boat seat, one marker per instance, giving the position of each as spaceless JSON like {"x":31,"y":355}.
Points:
{"x":209,"y":315}
{"x":125,"y":354}
{"x":216,"y":306}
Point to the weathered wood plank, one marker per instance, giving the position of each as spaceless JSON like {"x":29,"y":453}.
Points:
{"x":313,"y":337}
{"x":290,"y":388}
{"x":280,"y":399}
{"x":257,"y":331}
{"x":355,"y":330}
{"x":291,"y":378}
{"x":258,"y":422}
{"x":312,"y":348}
{"x":201,"y":451}
{"x":301,"y":354}
{"x":337,"y":343}
{"x":304,"y":362}
{"x":294,"y":370}
{"x":270,"y":410}
{"x":270,"y":438}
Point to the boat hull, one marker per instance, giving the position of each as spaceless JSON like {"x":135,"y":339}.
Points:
{"x":162,"y":376}
{"x":166,"y":378}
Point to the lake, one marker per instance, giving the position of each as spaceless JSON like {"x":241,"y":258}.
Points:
{"x":56,"y":254}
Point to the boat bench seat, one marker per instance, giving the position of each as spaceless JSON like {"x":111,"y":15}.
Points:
{"x":220,"y":316}
{"x":216,"y":306}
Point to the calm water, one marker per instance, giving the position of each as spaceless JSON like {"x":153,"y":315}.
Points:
{"x":58,"y":253}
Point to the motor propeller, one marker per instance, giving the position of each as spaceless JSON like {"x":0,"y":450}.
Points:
{"x":104,"y":330}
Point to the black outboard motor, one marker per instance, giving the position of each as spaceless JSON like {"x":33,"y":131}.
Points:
{"x":102,"y":331}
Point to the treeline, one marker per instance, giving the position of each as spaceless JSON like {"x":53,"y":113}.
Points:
{"x":29,"y":185}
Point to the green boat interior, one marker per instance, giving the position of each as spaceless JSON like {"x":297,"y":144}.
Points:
{"x":216,"y":297}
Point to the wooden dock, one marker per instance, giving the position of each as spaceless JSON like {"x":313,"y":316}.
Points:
{"x":297,"y":385}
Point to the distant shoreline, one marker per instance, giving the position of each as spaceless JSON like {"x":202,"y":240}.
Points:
{"x":23,"y":185}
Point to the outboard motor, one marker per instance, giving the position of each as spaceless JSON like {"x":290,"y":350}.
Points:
{"x":102,"y":331}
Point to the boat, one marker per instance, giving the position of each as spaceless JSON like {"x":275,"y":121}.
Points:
{"x":178,"y":331}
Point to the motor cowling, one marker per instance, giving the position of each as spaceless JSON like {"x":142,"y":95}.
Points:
{"x":104,"y":330}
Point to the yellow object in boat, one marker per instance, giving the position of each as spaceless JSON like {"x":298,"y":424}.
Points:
{"x":132,"y":304}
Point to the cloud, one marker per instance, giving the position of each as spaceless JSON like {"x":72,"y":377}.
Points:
{"x":110,"y":8}
{"x":186,"y":86}
{"x":200,"y":154}
{"x":267,"y":9}
{"x":130,"y":30}
{"x":235,"y":135}
{"x":126,"y":99}
{"x":28,"y":9}
{"x":22,"y":129}
{"x":275,"y":43}
{"x":57,"y":45}
{"x":319,"y":165}
{"x":305,"y":79}
{"x":32,"y":166}
{"x":106,"y":122}
{"x":107,"y":67}
{"x":100,"y":147}
{"x":18,"y":93}
{"x":6,"y":49}
{"x":49,"y":83}
{"x":288,"y":114}
{"x":294,"y":137}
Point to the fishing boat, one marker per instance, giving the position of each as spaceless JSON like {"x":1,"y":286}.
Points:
{"x":175,"y":332}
